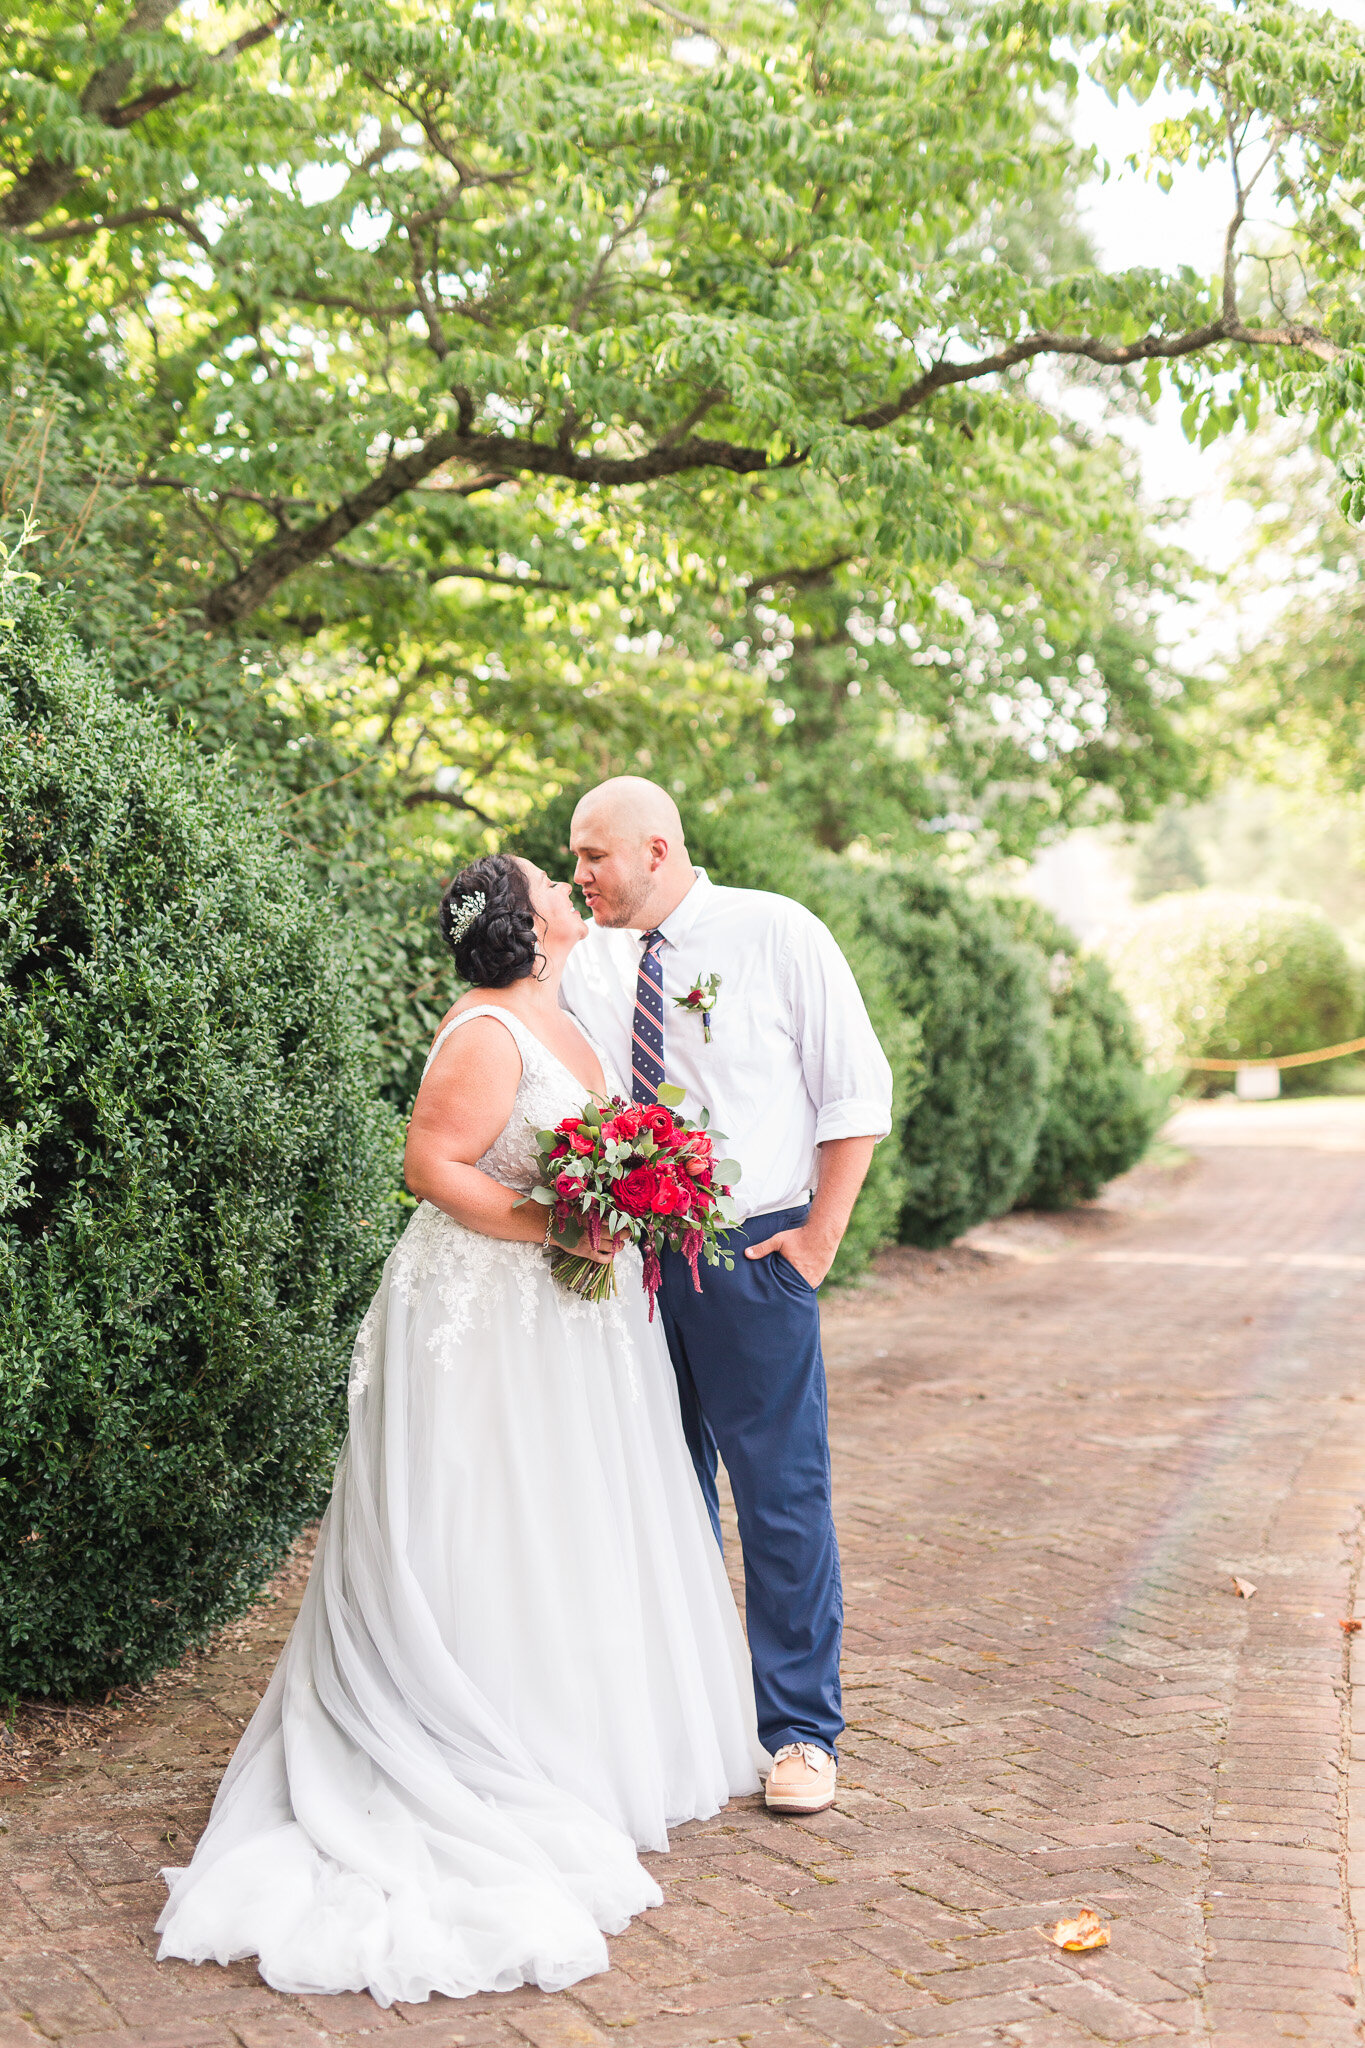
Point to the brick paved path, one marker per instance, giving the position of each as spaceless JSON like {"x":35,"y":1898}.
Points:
{"x":1051,"y":1458}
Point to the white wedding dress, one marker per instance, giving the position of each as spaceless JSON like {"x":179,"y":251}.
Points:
{"x":517,"y":1658}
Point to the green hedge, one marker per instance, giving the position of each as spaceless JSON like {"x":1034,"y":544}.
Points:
{"x":196,"y":1188}
{"x":1103,"y":1109}
{"x":969,"y":1145}
{"x":1214,"y":975}
{"x":931,"y":959}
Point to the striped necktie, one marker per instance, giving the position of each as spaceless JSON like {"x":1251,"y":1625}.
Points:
{"x":647,"y":1030}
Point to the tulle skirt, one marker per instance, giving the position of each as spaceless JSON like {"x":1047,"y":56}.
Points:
{"x":517,"y":1660}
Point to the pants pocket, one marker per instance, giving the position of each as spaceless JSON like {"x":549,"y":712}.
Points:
{"x":785,"y":1270}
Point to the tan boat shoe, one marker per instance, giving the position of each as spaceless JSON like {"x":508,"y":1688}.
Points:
{"x":801,"y":1779}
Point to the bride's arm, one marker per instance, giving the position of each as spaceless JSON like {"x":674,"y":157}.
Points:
{"x":463,"y":1103}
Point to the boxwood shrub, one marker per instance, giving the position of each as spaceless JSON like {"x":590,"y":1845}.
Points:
{"x":1103,"y":1109}
{"x":969,"y":1144}
{"x":1215,"y":975}
{"x":196,"y":1184}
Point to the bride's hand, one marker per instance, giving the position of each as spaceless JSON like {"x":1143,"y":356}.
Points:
{"x":583,"y":1249}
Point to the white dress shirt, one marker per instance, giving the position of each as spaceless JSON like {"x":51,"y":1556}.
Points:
{"x":792,"y":1061}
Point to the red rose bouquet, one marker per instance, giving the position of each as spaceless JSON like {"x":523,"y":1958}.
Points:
{"x":636,"y":1173}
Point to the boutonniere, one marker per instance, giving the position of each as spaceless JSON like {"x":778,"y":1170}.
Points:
{"x":701,"y":1000}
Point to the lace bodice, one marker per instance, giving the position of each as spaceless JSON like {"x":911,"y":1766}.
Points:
{"x":546,"y":1092}
{"x":456,"y":1271}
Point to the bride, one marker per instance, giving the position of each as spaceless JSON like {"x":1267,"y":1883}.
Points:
{"x":517,"y":1659}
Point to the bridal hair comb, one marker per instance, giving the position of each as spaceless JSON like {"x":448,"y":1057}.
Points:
{"x":471,"y":909}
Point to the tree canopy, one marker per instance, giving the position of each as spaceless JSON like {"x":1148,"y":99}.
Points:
{"x":522,"y":390}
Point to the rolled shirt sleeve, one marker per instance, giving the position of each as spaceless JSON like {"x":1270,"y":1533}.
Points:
{"x":846,"y":1071}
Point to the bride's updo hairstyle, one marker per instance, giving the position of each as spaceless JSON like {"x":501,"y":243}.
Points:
{"x":496,"y":944}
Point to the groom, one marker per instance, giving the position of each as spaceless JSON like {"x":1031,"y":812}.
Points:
{"x":795,"y":1080}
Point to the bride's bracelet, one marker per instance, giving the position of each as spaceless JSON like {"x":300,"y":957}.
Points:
{"x":549,"y":1226}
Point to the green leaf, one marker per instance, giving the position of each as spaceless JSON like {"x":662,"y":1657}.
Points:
{"x":670,"y":1095}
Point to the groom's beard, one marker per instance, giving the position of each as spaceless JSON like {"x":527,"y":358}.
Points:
{"x":627,"y":906}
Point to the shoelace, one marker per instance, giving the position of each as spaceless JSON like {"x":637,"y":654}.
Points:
{"x":810,"y":1753}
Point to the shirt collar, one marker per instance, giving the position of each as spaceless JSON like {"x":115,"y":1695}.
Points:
{"x":679,"y":922}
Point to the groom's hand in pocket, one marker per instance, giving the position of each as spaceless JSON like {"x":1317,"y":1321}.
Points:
{"x":811,"y":1248}
{"x":805,"y":1249}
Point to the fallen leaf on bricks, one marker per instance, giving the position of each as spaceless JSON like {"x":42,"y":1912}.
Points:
{"x":1244,"y":1588}
{"x":1351,"y":1627}
{"x":1087,"y":1930}
{"x":678,"y":2011}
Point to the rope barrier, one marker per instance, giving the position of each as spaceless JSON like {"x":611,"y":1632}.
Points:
{"x":1288,"y":1059}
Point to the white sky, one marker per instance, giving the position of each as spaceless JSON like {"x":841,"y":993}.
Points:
{"x":1134,"y":223}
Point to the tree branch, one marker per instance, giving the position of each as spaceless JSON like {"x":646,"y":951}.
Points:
{"x":488,"y":481}
{"x":399,"y":310}
{"x":161,"y":95}
{"x":107,"y":84}
{"x":197,"y":512}
{"x":442,"y":570}
{"x":45,"y":184}
{"x":99,"y":222}
{"x":708,"y":402}
{"x":700,"y":28}
{"x":429,"y":794}
{"x":621,"y":231}
{"x":509,"y":453}
{"x":1235,"y":224}
{"x":813,"y":577}
{"x":1151,"y":348}
{"x":276,"y":507}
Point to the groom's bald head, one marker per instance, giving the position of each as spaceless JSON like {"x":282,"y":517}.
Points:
{"x":629,"y":856}
{"x":629,"y":806}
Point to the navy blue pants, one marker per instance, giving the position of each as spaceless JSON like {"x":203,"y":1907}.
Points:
{"x":751,"y":1379}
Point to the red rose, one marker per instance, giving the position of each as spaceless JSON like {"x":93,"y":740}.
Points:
{"x":627,"y":1125}
{"x":696,"y":996}
{"x":568,"y":1184}
{"x":569,"y":1125}
{"x":658,"y":1121}
{"x":581,"y":1142}
{"x":636,"y":1192}
{"x":670,"y":1197}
